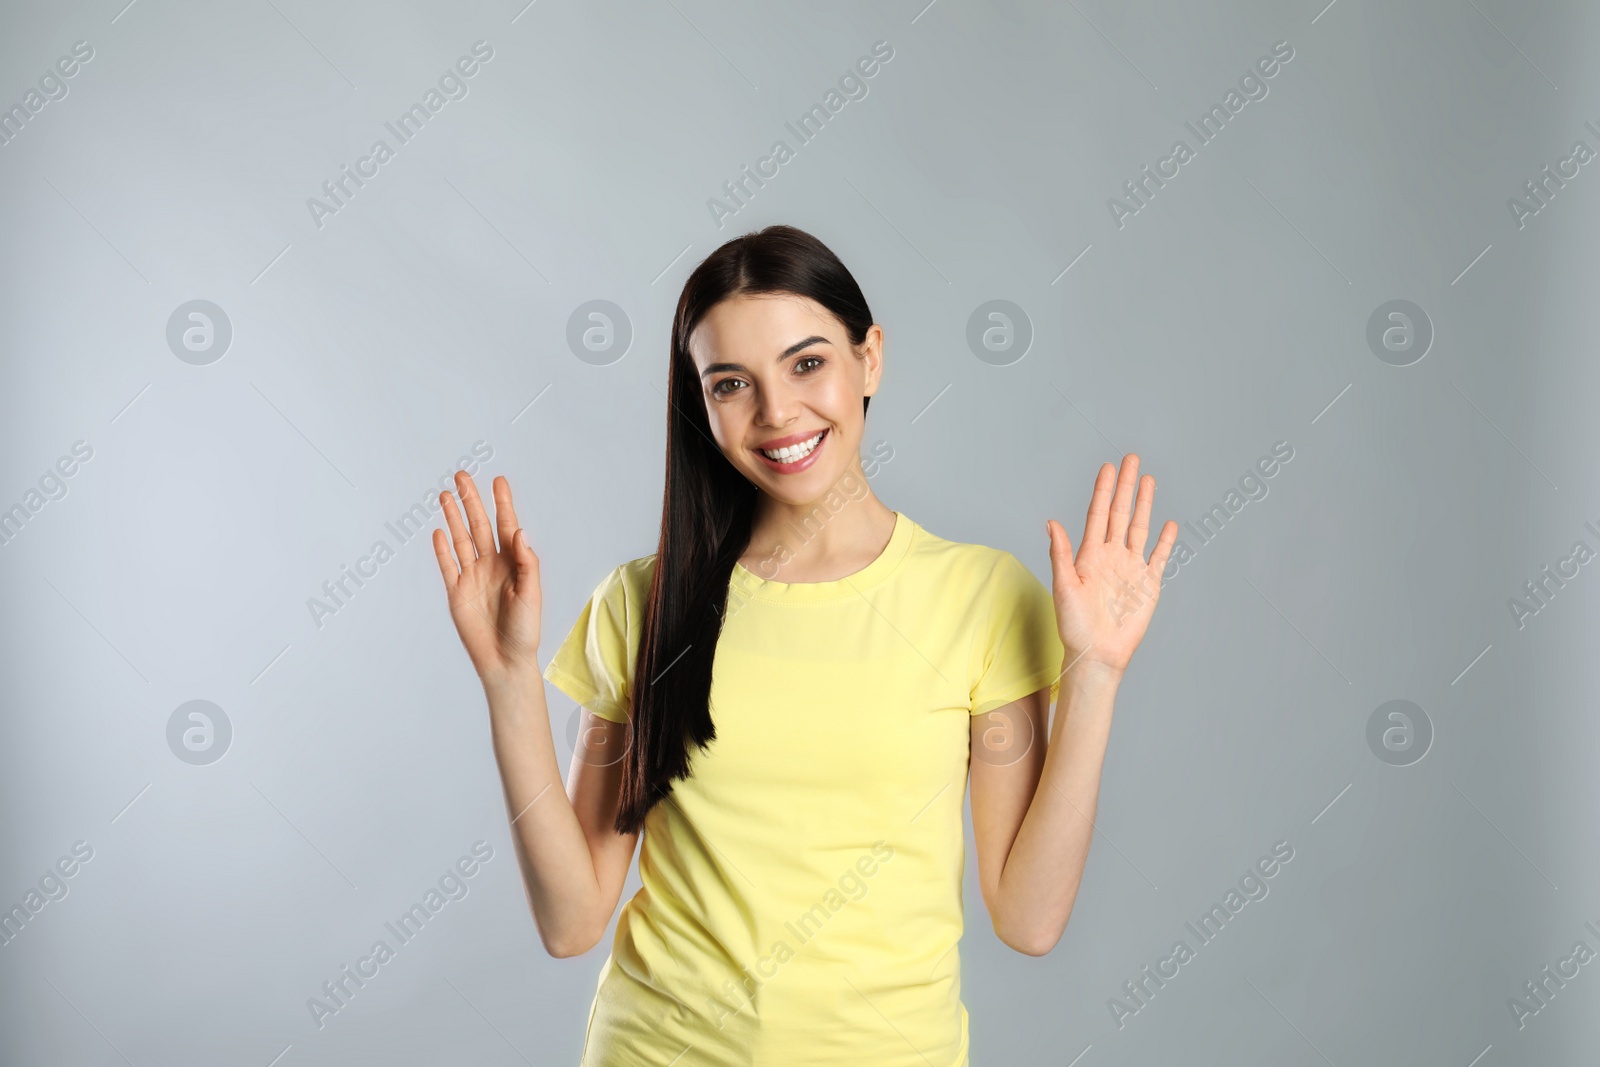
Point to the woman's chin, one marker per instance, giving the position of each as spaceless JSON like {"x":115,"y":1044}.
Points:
{"x":809,"y":487}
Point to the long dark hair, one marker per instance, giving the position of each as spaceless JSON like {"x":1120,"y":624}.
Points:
{"x":706,"y":511}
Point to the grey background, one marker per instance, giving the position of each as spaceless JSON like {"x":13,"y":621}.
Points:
{"x":368,"y":355}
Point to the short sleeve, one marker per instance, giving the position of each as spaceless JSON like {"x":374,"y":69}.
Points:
{"x":1017,"y":649}
{"x":594,"y":664}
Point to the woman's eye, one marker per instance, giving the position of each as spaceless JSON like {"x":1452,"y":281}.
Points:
{"x":729,"y":386}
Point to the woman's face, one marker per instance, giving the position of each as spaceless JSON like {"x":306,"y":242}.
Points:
{"x":783,"y":389}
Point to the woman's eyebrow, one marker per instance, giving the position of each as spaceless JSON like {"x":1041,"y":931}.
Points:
{"x":717,"y":368}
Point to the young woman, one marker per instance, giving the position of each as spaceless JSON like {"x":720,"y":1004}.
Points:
{"x":787,"y":697}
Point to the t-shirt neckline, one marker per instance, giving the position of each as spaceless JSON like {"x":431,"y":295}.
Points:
{"x":893,"y":554}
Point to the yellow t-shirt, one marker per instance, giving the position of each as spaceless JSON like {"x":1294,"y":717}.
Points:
{"x":801,"y":897}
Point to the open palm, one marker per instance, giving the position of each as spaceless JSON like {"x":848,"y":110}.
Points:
{"x":494,"y":592}
{"x":1107,"y":594}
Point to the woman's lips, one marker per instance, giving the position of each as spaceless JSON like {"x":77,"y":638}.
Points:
{"x":798,"y":465}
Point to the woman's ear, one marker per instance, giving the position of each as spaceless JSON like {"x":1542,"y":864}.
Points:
{"x":871,"y":351}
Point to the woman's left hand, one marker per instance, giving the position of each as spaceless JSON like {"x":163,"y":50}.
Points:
{"x":1107,"y":594}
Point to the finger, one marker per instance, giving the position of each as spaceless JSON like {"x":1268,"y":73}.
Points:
{"x":477,"y":518}
{"x":1094,"y":526}
{"x":1164,"y":543}
{"x":505,"y":516}
{"x":447,"y":561}
{"x":1122,"y":502}
{"x":1139,"y":529}
{"x":458,"y":532}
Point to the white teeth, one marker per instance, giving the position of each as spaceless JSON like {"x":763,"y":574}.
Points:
{"x":792,"y":453}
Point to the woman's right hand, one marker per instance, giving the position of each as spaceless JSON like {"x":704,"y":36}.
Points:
{"x":493,"y":592}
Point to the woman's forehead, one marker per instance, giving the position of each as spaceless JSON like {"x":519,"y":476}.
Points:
{"x":759,"y":324}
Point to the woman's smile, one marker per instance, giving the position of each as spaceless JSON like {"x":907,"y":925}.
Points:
{"x":794,"y":453}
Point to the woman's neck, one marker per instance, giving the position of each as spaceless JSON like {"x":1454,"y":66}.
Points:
{"x":828,"y":539}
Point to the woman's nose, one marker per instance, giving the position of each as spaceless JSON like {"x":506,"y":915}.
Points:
{"x":776,"y":406}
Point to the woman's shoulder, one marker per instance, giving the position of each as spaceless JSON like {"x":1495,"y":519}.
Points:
{"x":992,"y":581}
{"x":962,"y":556}
{"x":969,"y":572}
{"x":626,"y":587}
{"x":632,"y":578}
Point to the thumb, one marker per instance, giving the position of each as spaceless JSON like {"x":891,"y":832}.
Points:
{"x":527,"y":562}
{"x":1060,"y":548}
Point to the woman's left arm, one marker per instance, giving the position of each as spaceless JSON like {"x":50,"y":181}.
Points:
{"x":1033,"y":803}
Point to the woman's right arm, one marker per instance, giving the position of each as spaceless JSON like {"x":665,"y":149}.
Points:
{"x":573,"y":862}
